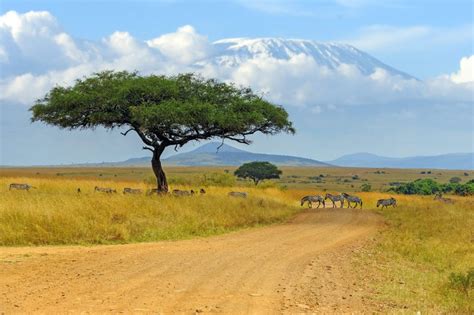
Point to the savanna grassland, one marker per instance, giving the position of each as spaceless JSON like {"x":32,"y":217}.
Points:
{"x":411,"y":260}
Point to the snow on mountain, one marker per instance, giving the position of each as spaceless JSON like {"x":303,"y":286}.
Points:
{"x":233,"y":52}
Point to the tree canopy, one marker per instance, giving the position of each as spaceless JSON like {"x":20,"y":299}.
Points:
{"x":258,"y":171}
{"x":163,"y":110}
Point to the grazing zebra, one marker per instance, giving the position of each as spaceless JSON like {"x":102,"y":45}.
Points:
{"x":20,"y":186}
{"x":311,"y":199}
{"x":387,"y":202}
{"x":105,"y":190}
{"x":350,"y":199}
{"x":178,"y":192}
{"x":440,"y":197}
{"x":334,"y":199}
{"x":127,"y":190}
{"x":237,"y":194}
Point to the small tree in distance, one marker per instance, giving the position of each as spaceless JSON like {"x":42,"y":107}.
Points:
{"x":258,"y":171}
{"x":164,"y":111}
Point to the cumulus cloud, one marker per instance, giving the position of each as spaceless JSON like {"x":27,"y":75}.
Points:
{"x":466,"y":71}
{"x":36,"y":54}
{"x":183,"y":46}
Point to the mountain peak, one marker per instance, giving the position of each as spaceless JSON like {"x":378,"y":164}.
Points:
{"x":231,"y":52}
{"x":213,"y":147}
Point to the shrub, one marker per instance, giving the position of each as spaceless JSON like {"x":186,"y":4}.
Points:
{"x":462,"y":282}
{"x":429,"y":187}
{"x":366,"y":187}
{"x":419,"y":187}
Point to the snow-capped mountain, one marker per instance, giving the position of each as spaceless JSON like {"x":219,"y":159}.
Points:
{"x":233,"y":52}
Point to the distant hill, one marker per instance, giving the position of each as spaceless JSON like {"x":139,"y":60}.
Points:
{"x":209,"y":155}
{"x":460,"y":161}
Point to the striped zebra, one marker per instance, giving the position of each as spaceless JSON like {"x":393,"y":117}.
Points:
{"x":311,"y":199}
{"x":127,"y":190}
{"x":387,"y":202}
{"x":334,"y":199}
{"x":237,"y":194}
{"x":105,"y":190}
{"x":354,"y":199}
{"x":20,"y":186}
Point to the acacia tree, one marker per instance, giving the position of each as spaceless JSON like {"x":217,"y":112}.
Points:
{"x":162,"y":110}
{"x":258,"y":171}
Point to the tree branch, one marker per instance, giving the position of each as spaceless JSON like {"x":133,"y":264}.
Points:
{"x":220,"y":145}
{"x":148,"y":148}
{"x":125,"y":133}
{"x":143,"y":136}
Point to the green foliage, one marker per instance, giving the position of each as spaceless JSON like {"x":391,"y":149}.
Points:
{"x":172,"y":110}
{"x":365,"y":187}
{"x":455,"y":180}
{"x":258,"y":171}
{"x":462,"y":282}
{"x":429,"y":187}
{"x":419,"y":187}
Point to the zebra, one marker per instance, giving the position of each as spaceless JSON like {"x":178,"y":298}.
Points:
{"x":127,"y":190}
{"x":350,"y":199}
{"x":178,"y":192}
{"x":105,"y":190}
{"x":387,"y":202}
{"x":238,"y":194}
{"x":20,"y":186}
{"x":334,"y":199}
{"x":440,"y":197}
{"x":311,"y":199}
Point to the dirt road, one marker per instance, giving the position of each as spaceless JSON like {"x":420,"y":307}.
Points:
{"x":303,"y":266}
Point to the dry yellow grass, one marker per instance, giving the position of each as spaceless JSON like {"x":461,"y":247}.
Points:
{"x":55,"y":213}
{"x":424,"y":242}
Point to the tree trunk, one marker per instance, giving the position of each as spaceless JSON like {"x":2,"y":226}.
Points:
{"x":161,"y":182}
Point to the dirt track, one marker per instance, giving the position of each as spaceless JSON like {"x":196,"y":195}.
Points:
{"x":301,"y":266}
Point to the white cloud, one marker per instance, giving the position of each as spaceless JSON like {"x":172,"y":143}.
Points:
{"x":184,"y":46}
{"x":466,"y":71}
{"x":298,"y":80}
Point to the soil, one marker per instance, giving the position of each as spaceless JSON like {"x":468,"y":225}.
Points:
{"x":303,"y":266}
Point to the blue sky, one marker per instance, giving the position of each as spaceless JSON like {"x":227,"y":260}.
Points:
{"x":426,"y":39}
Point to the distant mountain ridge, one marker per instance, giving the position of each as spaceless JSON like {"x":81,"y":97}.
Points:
{"x":461,"y":161}
{"x":213,"y":154}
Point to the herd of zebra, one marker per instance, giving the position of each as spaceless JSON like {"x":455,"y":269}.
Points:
{"x":149,"y":192}
{"x":136,"y":191}
{"x":344,"y":197}
{"x":307,"y":199}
